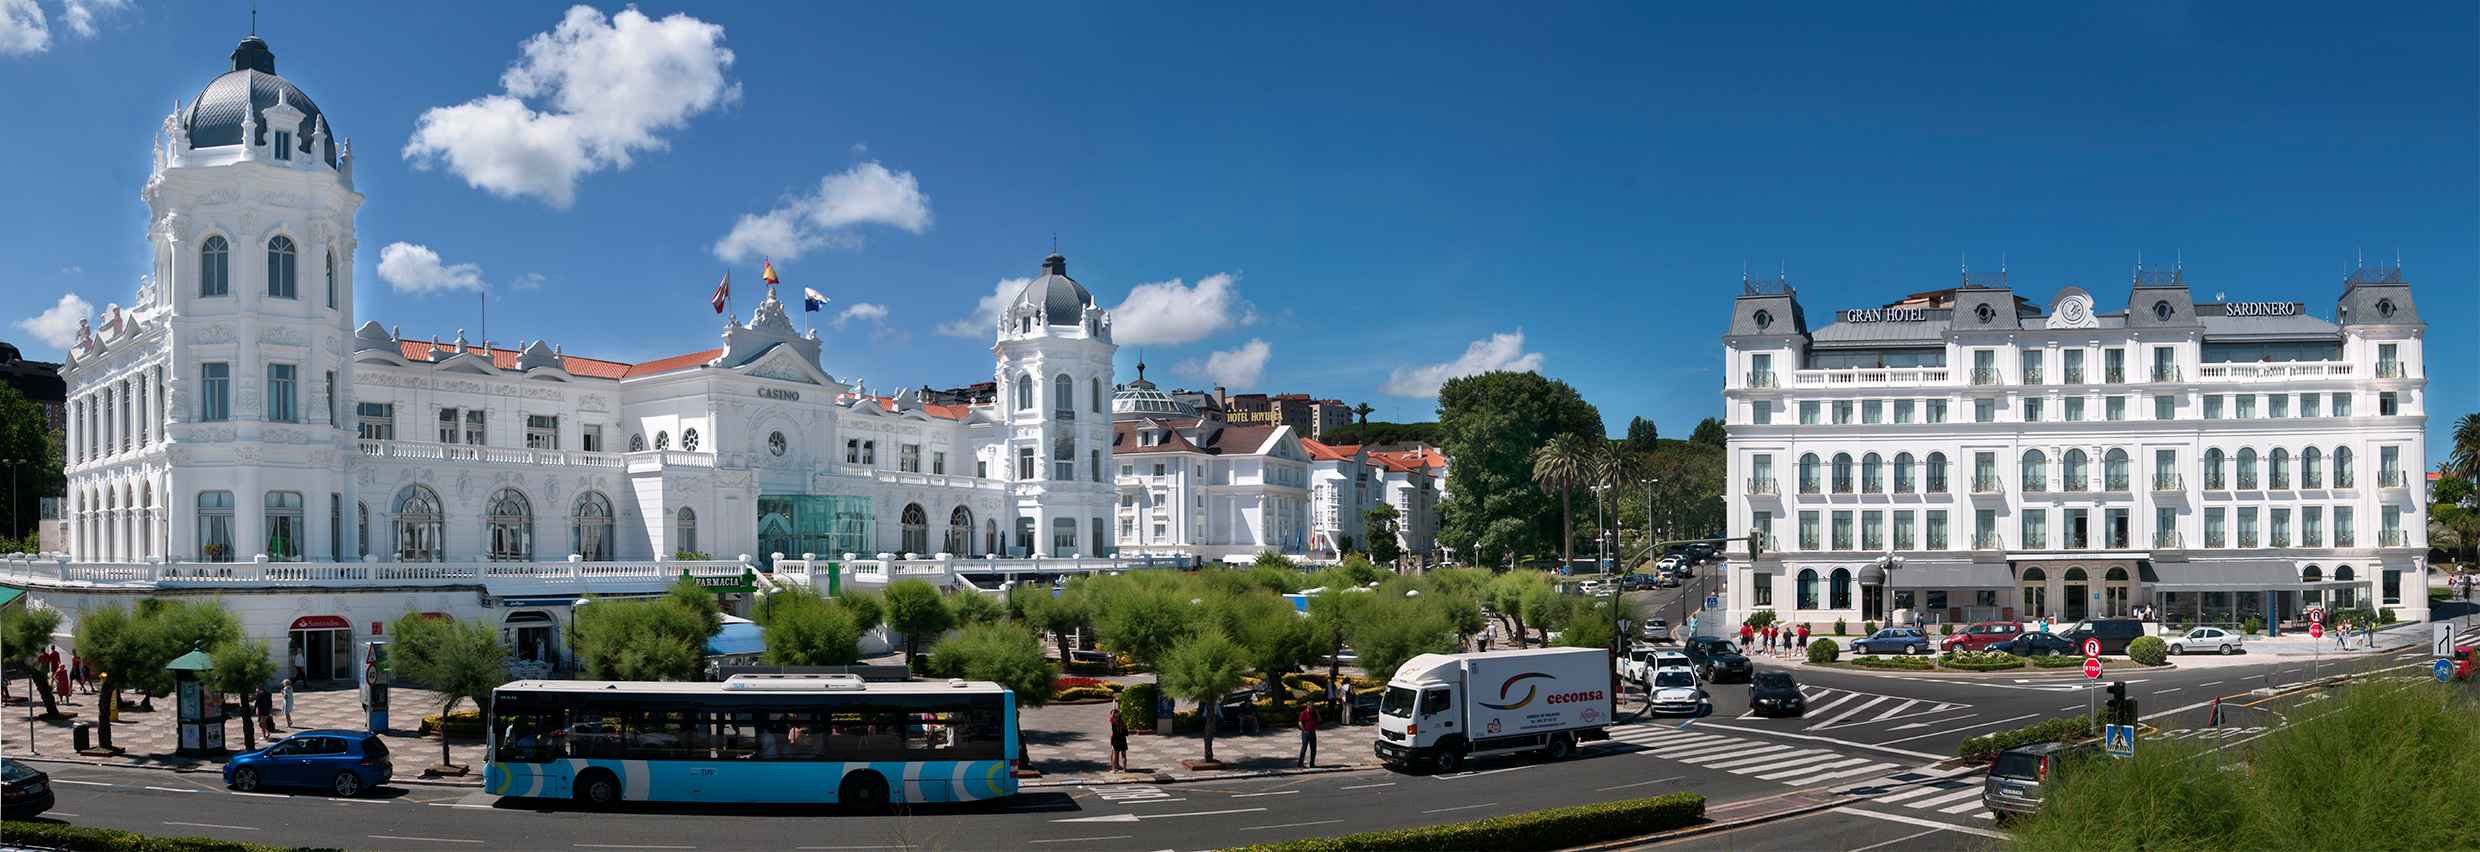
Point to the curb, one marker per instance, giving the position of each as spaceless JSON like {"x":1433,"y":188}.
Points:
{"x":1166,"y":778}
{"x":1719,"y":826}
{"x":196,"y":770}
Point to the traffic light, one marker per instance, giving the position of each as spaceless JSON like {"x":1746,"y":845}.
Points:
{"x":1756,"y":544}
{"x":2121,"y":709}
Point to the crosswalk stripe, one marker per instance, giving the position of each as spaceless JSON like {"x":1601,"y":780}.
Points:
{"x":1708,"y":745}
{"x":1950,"y":796}
{"x":1870,"y":769}
{"x":1864,"y":706}
{"x":1956,"y":809}
{"x":1727,"y":754}
{"x":1897,"y":711}
{"x":1905,"y":794}
{"x":1745,"y":760}
{"x":1650,"y":735}
{"x":1773,"y":765}
{"x":1837,"y":700}
{"x":1813,"y":769}
{"x":1688,"y":741}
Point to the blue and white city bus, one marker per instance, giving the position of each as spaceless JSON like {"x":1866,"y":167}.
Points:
{"x":831,"y":739}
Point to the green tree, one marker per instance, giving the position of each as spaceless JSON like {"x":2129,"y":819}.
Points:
{"x":242,"y":667}
{"x":869,"y":610}
{"x":661,"y":639}
{"x":1203,"y":668}
{"x":694,"y":600}
{"x":802,"y":628}
{"x":1332,"y":614}
{"x":1278,"y":640}
{"x":1361,"y":570}
{"x":1641,"y":435}
{"x":25,"y":633}
{"x":1397,"y":629}
{"x":1543,"y":607}
{"x":26,"y":434}
{"x":976,"y":608}
{"x":2464,"y":458}
{"x":1585,"y":624}
{"x":1140,"y":615}
{"x":1559,"y":466}
{"x":1490,"y":424}
{"x":1709,"y":432}
{"x":1384,"y":546}
{"x":2454,"y":515}
{"x":1005,"y":654}
{"x":460,"y":660}
{"x":108,"y":639}
{"x":1057,"y":615}
{"x":169,"y":628}
{"x":916,"y":610}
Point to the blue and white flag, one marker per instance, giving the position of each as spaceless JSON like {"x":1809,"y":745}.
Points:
{"x":812,"y":300}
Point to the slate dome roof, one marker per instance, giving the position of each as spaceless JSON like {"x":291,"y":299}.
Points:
{"x":1061,"y":299}
{"x":214,"y":119}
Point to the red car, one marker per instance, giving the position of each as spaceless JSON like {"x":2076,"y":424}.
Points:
{"x":2466,"y":658}
{"x":1982,"y":634}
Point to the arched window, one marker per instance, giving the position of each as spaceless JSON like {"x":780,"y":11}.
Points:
{"x":1063,"y":397}
{"x":1842,"y":473}
{"x":2311,"y":574}
{"x":284,"y":529}
{"x":662,"y":439}
{"x":1937,"y":473}
{"x":590,"y":530}
{"x":2213,"y":469}
{"x":2278,"y":469}
{"x":990,"y":536}
{"x":2078,"y":470}
{"x":2342,"y":467}
{"x":637,"y":442}
{"x":2116,"y":575}
{"x":419,"y":535}
{"x":1903,"y":483}
{"x":689,"y":440}
{"x":361,"y":522}
{"x":916,"y":529}
{"x":684,"y":532}
{"x":2114,"y":469}
{"x":1097,"y":406}
{"x":1024,"y":393}
{"x":2311,"y":468}
{"x":1838,"y":589}
{"x":2035,"y":575}
{"x":215,"y":525}
{"x":2342,"y":574}
{"x":1808,"y":473}
{"x":1807,"y":589}
{"x":1872,"y":474}
{"x":2036,"y":471}
{"x":509,"y":522}
{"x":960,"y":531}
{"x":215,"y":267}
{"x":2247,"y":468}
{"x":280,"y":256}
{"x":331,"y":277}
{"x":2075,"y":575}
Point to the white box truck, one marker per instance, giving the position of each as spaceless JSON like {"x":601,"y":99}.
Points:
{"x":1443,"y":709}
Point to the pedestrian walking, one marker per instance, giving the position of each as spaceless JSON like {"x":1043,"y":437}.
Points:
{"x":1746,"y":634}
{"x":1346,"y":712}
{"x":301,"y":664}
{"x":266,"y":712}
{"x":1119,"y":742}
{"x":77,"y":671}
{"x":288,"y":703}
{"x":1804,"y":636}
{"x":1308,"y":736}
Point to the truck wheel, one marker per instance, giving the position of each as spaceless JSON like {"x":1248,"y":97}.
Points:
{"x":1561,"y":745}
{"x":1450,"y":757}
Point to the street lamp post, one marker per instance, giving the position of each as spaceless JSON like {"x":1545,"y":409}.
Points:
{"x":1883,"y":570}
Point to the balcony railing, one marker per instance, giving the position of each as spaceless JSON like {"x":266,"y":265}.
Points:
{"x":2278,"y":482}
{"x":1986,"y":485}
{"x":1761,"y":379}
{"x":2115,"y":484}
{"x":2279,"y":539}
{"x":2390,"y":478}
{"x":1984,"y":375}
{"x":1936,"y":485}
{"x":1868,"y":377}
{"x":2075,"y":375}
{"x":2169,"y":482}
{"x":2075,"y":486}
{"x":2166,"y":539}
{"x":1762,"y":485}
{"x":2263,"y":372}
{"x":2392,"y":538}
{"x":2389,"y":369}
{"x":2343,"y":537}
{"x":2343,"y":478}
{"x":426,"y":451}
{"x":2213,"y":481}
{"x":1808,"y":486}
{"x":2212,"y":539}
{"x":2114,"y":375}
{"x":2165,"y":373}
{"x":2036,"y":486}
{"x":1987,"y":541}
{"x":2032,"y":377}
{"x":2247,"y":539}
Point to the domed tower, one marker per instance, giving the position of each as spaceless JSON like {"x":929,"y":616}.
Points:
{"x":1054,"y":374}
{"x":251,"y":304}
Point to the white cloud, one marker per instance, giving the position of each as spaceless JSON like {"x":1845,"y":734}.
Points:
{"x":862,"y":311}
{"x":865,"y":194}
{"x":79,"y":15}
{"x":1238,"y":368}
{"x":59,"y":325}
{"x":1170,"y":312}
{"x":416,"y":269}
{"x":72,"y":269}
{"x":608,"y":88}
{"x":23,"y":28}
{"x":984,"y":321}
{"x":1502,"y":351}
{"x":528,"y":281}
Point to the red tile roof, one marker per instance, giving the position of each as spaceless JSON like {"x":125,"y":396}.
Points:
{"x":1323,"y":452}
{"x":675,"y":363}
{"x":506,"y":359}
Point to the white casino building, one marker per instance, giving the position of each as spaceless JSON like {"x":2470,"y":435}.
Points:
{"x":2209,"y":462}
{"x":234,"y":433}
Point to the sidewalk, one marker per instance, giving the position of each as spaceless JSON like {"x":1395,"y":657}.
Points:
{"x":149,"y":739}
{"x":1071,"y":744}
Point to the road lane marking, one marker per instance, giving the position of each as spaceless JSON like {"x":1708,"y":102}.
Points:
{"x":2067,"y":708}
{"x":1275,"y":793}
{"x":626,"y":846}
{"x":259,"y":795}
{"x":1752,"y":756}
{"x":1136,"y":817}
{"x":176,"y":789}
{"x":1459,"y":808}
{"x":1949,"y":797}
{"x":2168,"y":691}
{"x":59,"y":813}
{"x":1926,"y":823}
{"x":1290,"y":825}
{"x":1639,"y":784}
{"x":1367,"y":786}
{"x":360,"y":801}
{"x":83,"y":783}
{"x":1848,"y":743}
{"x":1907,"y":704}
{"x":1779,"y":765}
{"x":1906,"y":794}
{"x":211,"y":825}
{"x":1847,"y":773}
{"x":2211,"y":683}
{"x":1964,"y":728}
{"x":1847,"y":696}
{"x":1965,"y":806}
{"x":1715,"y":752}
{"x":1147,"y":801}
{"x":1898,"y":840}
{"x":855,"y":848}
{"x":1083,"y":839}
{"x":1820,"y":767}
{"x":422,"y":839}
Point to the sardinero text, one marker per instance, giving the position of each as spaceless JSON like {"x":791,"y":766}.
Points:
{"x":2266,"y":309}
{"x":1885,"y":314}
{"x":1573,"y":697}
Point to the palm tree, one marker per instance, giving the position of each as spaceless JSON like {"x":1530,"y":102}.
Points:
{"x":1364,"y":410}
{"x":2465,"y":459}
{"x":1561,"y":464}
{"x":1613,"y":464}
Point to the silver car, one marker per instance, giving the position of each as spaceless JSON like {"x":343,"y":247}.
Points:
{"x":2213,"y":639}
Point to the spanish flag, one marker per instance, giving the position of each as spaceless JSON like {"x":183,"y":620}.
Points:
{"x":766,"y":272}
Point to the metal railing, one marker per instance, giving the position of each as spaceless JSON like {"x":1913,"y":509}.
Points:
{"x":1987,"y":541}
{"x":2247,"y":539}
{"x":1936,"y":485}
{"x":2390,"y":369}
{"x":1984,"y":375}
{"x":2167,"y":539}
{"x":1761,"y":379}
{"x":480,"y":454}
{"x":2393,"y":538}
{"x":2165,"y":373}
{"x":2032,"y":377}
{"x":2390,"y":478}
{"x":2075,"y":375}
{"x":2114,"y":375}
{"x":1986,"y":485}
{"x":1869,"y":376}
{"x":1762,"y":485}
{"x":2169,"y":482}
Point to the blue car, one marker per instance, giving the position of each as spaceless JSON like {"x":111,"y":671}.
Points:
{"x":1893,"y":640}
{"x":349,"y":763}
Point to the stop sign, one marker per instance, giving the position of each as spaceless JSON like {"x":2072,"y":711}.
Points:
{"x":2316,"y":630}
{"x":2092,"y":667}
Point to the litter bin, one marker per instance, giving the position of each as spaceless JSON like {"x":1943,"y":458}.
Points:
{"x":81,"y":736}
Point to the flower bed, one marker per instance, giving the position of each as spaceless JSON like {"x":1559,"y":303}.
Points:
{"x":1915,"y":664}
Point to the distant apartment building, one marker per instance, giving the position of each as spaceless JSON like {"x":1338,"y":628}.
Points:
{"x":1347,"y":480}
{"x":1307,"y":416}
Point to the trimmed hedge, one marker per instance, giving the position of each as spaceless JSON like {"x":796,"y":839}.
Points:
{"x":1985,"y":748}
{"x":1136,"y":706}
{"x":1980,"y":661}
{"x":1085,"y":693}
{"x":2057,"y":661}
{"x":1916,"y":664}
{"x":1554,"y":828}
{"x":1822,"y":651}
{"x":81,"y":838}
{"x":2148,"y":650}
{"x":462,"y":723}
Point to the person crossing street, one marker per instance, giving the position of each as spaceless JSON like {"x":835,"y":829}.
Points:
{"x":1308,"y":735}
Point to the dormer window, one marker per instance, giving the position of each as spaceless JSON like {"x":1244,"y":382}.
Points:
{"x":1765,"y":319}
{"x":2161,"y":311}
{"x":2385,"y":308}
{"x":284,"y":144}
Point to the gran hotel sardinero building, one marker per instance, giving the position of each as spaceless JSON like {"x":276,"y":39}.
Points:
{"x":2051,"y":457}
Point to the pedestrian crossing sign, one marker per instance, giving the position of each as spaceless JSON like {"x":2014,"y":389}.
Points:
{"x":2120,"y":740}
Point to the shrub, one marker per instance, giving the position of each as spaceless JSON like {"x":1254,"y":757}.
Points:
{"x":2386,"y":616}
{"x":51,"y":835}
{"x":1868,"y":628}
{"x":1763,"y":617}
{"x":1946,"y":628}
{"x":1841,"y":627}
{"x":462,"y":723}
{"x":1981,"y":661}
{"x":1554,"y":828}
{"x":2056,"y":661}
{"x":1085,"y":693}
{"x":2149,"y":650}
{"x":1822,"y":651}
{"x":1136,"y":705}
{"x":2254,"y":625}
{"x":1918,"y":664}
{"x":1985,"y":748}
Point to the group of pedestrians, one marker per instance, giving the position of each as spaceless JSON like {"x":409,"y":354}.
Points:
{"x":262,"y":704}
{"x":1774,"y":639}
{"x":1307,"y":721}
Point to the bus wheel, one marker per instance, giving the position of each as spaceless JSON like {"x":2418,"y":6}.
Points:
{"x":598,"y":790}
{"x":863,"y":792}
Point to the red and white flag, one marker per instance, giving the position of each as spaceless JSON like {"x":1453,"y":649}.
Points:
{"x":723,"y":293}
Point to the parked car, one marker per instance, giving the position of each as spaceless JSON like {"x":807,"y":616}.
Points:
{"x":349,"y":763}
{"x":24,"y":790}
{"x":1676,"y":693}
{"x":2019,"y":779}
{"x":1892,"y":640}
{"x":2037,"y":645}
{"x":1717,"y":659}
{"x":2200,"y":638}
{"x":1979,"y":635}
{"x":1775,"y":694}
{"x":2114,"y":633}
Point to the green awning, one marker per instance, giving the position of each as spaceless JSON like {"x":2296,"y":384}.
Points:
{"x":10,"y":596}
{"x":194,"y":661}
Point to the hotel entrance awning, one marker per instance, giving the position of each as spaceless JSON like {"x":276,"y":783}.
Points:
{"x":1956,"y":574}
{"x":2231,"y":576}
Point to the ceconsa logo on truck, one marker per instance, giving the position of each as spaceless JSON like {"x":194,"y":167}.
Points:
{"x":1531,"y":692}
{"x":1573,"y":697}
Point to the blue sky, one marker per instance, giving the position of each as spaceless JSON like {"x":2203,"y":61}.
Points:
{"x":1377,"y":195}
